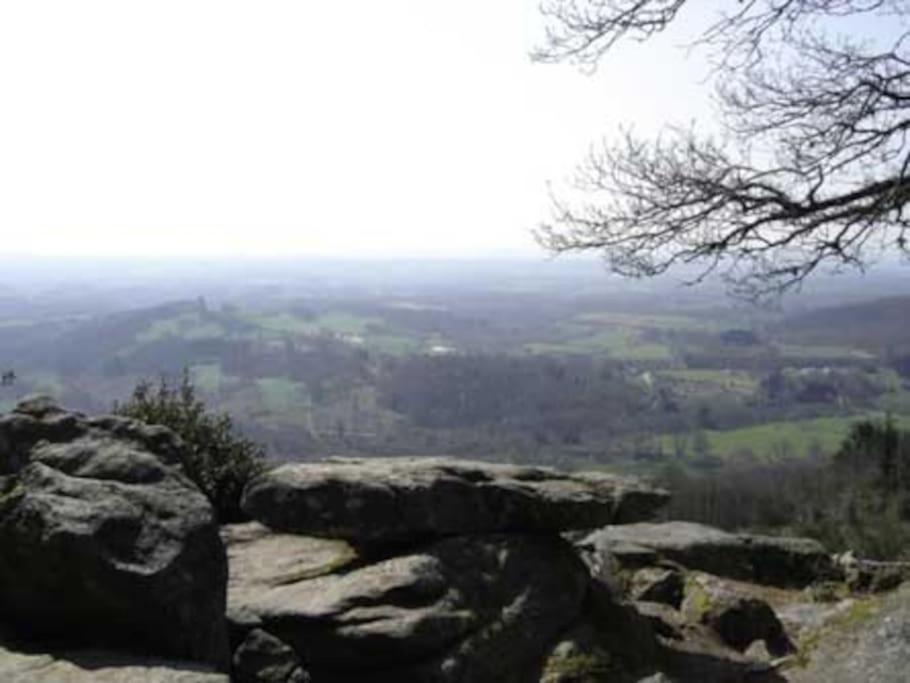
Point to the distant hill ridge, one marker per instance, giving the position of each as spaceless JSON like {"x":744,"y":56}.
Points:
{"x":871,"y":324}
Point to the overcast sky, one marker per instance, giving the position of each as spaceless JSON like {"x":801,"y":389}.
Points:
{"x":402,"y":127}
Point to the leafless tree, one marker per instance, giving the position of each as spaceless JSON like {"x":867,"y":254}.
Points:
{"x":809,"y":170}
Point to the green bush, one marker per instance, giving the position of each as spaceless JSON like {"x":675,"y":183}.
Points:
{"x":218,"y":459}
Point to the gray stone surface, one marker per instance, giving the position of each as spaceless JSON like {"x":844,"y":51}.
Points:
{"x":261,"y":560}
{"x":658,"y":584}
{"x":380,"y":500}
{"x":462,"y":609}
{"x":740,"y":621}
{"x":869,"y":643}
{"x":262,"y":658}
{"x":771,"y":560}
{"x":98,"y":667}
{"x":104,"y":544}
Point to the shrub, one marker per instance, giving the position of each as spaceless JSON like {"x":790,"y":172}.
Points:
{"x":217,"y":458}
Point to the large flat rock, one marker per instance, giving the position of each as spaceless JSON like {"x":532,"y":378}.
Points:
{"x":261,"y":560}
{"x":98,"y":667}
{"x":376,"y":500}
{"x":771,"y":560}
{"x":463,"y":609}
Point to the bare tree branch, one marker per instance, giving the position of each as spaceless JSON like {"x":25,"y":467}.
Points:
{"x":813,"y":167}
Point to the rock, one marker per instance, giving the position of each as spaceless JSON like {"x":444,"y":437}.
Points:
{"x":262,"y":658}
{"x":738,"y":613}
{"x":104,"y":544}
{"x":873,"y":577}
{"x":702,"y":660}
{"x":98,"y":667}
{"x":691,"y":653}
{"x":656,"y":584}
{"x":802,"y":620}
{"x":665,"y":621}
{"x":39,"y":418}
{"x":869,"y":642}
{"x":771,"y":560}
{"x":261,"y":560}
{"x":581,"y":657}
{"x":740,"y":621}
{"x":393,"y":500}
{"x":462,"y":609}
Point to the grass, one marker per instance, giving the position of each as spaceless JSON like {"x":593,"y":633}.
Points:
{"x":187,"y":325}
{"x":340,"y":323}
{"x":394,"y":345}
{"x":619,"y":343}
{"x":280,"y":396}
{"x":735,"y":381}
{"x":822,"y":352}
{"x":208,"y":377}
{"x":345,"y":323}
{"x":283,"y":323}
{"x":794,"y":437}
{"x":636,"y":321}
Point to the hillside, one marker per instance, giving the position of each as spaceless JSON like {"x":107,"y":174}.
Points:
{"x":501,"y":365}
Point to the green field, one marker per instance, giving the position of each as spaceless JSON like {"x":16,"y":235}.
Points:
{"x":823,"y":352}
{"x":790,"y":438}
{"x":339,"y":323}
{"x":281,"y":396}
{"x":619,"y":343}
{"x":714,"y":381}
{"x":208,"y":378}
{"x":636,"y":321}
{"x":187,"y":325}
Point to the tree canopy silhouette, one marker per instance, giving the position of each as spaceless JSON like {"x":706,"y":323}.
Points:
{"x":809,"y":169}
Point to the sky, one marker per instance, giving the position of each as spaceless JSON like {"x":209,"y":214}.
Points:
{"x":289,"y":128}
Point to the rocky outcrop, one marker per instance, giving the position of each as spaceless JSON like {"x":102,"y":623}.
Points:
{"x":772,"y":560}
{"x":436,"y":571}
{"x":658,"y":584}
{"x":262,"y":658}
{"x":105,"y":544}
{"x":394,"y":500}
{"x":866,"y":640}
{"x":461,"y":609}
{"x":98,"y":667}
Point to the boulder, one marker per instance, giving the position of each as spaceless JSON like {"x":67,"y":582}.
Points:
{"x":261,"y":560}
{"x":702,"y":660}
{"x":658,"y":584}
{"x":98,"y":667}
{"x":478,"y":608}
{"x":581,"y":656}
{"x":869,"y":576}
{"x":739,"y":614}
{"x":740,"y":621}
{"x":395,"y":500}
{"x":772,"y":560}
{"x":104,"y":543}
{"x":262,"y":658}
{"x":691,"y":653}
